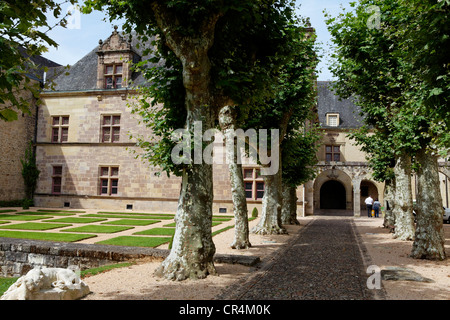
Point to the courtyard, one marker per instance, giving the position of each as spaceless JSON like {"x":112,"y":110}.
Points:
{"x":96,"y":226}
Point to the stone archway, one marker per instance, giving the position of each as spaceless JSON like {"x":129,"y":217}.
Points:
{"x":333,"y":195}
{"x":368,"y":188}
{"x":333,"y":190}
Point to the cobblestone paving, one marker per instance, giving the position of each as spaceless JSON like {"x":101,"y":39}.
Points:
{"x":324,"y":262}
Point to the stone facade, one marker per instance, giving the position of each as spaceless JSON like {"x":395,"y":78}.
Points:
{"x":15,"y":139}
{"x":74,"y":154}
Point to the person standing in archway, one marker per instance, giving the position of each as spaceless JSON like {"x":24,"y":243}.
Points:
{"x":369,"y":204}
{"x":376,"y":207}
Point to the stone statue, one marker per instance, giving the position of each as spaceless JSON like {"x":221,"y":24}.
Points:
{"x":42,"y":283}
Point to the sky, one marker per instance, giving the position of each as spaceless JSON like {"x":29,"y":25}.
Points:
{"x":85,"y":31}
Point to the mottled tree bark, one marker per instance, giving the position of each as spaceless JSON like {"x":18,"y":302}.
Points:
{"x":227,"y":121}
{"x":389,"y":198}
{"x":429,"y":239}
{"x":270,"y":221}
{"x":289,"y":205}
{"x":192,"y":250}
{"x":403,"y":209}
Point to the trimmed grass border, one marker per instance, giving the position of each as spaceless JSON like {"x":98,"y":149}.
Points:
{"x":149,"y":217}
{"x":95,"y":271}
{"x":7,"y":210}
{"x":77,"y":220}
{"x":132,"y":222}
{"x":22,"y":217}
{"x":35,"y":226}
{"x":35,"y":213}
{"x":47,"y":236}
{"x":157,"y":232}
{"x":134,"y":241}
{"x":97,"y":229}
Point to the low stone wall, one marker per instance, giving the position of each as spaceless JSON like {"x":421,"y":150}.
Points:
{"x":18,"y":256}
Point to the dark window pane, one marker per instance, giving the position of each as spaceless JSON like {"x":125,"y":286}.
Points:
{"x":328,"y":157}
{"x":118,"y":82}
{"x":337,"y":157}
{"x":57,"y":170}
{"x":65,"y":120}
{"x":64,"y":134}
{"x":248,"y":194}
{"x":259,"y":194}
{"x":108,"y":82}
{"x":55,"y":121}
{"x":260,"y":186}
{"x":109,"y":69}
{"x":336,"y":149}
{"x":119,"y":69}
{"x":55,"y":134}
{"x":328,"y":149}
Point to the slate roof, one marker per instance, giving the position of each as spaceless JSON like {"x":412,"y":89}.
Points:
{"x":82,"y":76}
{"x":37,"y":72}
{"x":329,"y":102}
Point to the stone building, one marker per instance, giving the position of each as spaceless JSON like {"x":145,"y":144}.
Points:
{"x":15,"y":137}
{"x":85,"y":153}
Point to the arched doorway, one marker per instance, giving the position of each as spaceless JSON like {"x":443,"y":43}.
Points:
{"x":368,"y":188}
{"x":332,"y":195}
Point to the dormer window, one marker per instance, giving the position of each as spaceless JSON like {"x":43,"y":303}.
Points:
{"x":333,"y":119}
{"x":113,"y":76}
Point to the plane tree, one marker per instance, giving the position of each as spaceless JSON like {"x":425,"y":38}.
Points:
{"x":374,"y":64}
{"x":221,"y":53}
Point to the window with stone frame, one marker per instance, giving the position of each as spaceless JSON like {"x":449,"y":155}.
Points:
{"x":56,"y":179}
{"x":253,"y":183}
{"x":60,"y":129}
{"x":332,"y":153}
{"x":109,"y":180}
{"x":333,"y":119}
{"x":110,"y":128}
{"x":113,"y":76}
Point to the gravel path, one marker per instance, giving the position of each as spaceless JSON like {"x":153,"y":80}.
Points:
{"x":323,"y":262}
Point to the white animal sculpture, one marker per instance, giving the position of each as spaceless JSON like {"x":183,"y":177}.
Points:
{"x":43,"y":283}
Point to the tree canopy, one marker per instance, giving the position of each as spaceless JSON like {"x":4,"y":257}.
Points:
{"x":23,"y":34}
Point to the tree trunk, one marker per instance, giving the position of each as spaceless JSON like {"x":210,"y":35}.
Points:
{"x":404,"y":219}
{"x":270,"y":221}
{"x":289,"y":205}
{"x":192,"y":250}
{"x":429,"y":238}
{"x":389,"y":197}
{"x":227,"y":120}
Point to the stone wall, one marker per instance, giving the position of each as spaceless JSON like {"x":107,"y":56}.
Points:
{"x":14,"y":139}
{"x":18,"y":256}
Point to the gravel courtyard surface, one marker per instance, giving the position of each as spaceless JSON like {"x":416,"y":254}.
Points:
{"x":324,"y":258}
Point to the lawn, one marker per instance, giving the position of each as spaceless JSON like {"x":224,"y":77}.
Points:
{"x":97,"y":229}
{"x":133,"y":241}
{"x":77,"y":220}
{"x":22,"y":217}
{"x":35,"y":226}
{"x":47,"y":236}
{"x":132,"y":222}
{"x":157,"y":231}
